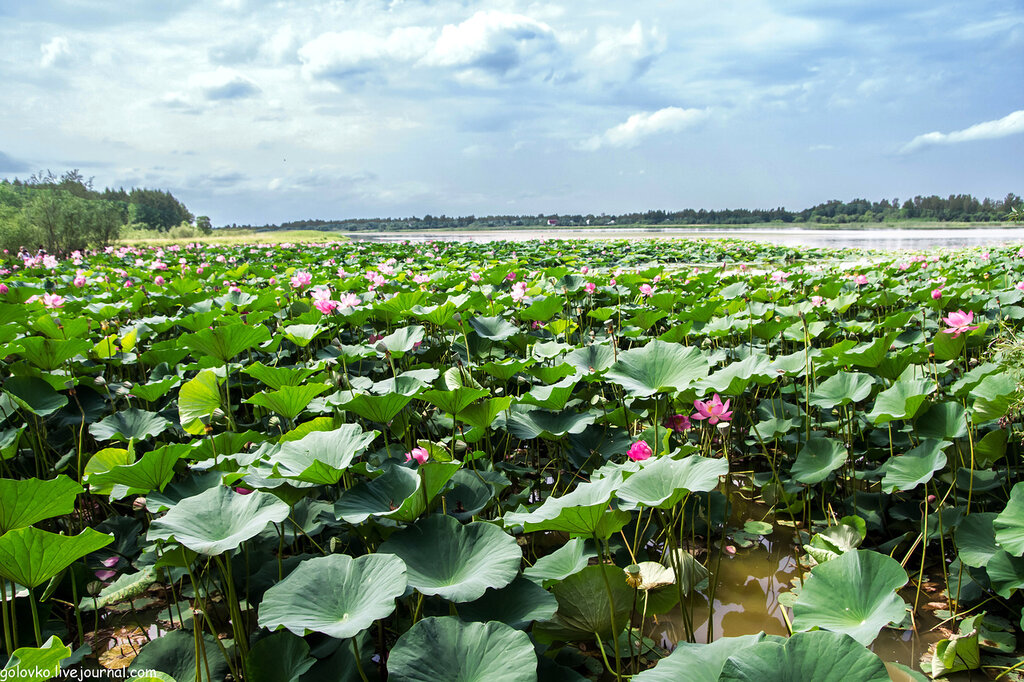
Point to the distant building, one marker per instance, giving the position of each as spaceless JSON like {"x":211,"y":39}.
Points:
{"x":552,"y":221}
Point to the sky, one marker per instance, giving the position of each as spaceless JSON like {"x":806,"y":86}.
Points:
{"x":256,"y":112}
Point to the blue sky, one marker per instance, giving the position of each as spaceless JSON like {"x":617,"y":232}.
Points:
{"x":255,"y":112}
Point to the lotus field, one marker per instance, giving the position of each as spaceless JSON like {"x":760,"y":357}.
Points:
{"x":506,"y":462}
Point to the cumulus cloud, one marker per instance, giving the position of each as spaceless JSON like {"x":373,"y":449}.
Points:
{"x":223,"y":84}
{"x":55,"y":53}
{"x":647,"y":123}
{"x":1011,"y":124}
{"x":349,"y":55}
{"x":497,"y":44}
{"x":619,"y":55}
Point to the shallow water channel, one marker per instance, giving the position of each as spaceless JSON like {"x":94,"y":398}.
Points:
{"x":747,"y":600}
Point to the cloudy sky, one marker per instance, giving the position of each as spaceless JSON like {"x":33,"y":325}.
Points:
{"x":255,"y":112}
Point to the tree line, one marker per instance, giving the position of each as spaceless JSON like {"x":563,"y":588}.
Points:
{"x":954,"y":208}
{"x":64,"y":213}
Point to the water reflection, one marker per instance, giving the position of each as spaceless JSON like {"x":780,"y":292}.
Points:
{"x":887,"y":239}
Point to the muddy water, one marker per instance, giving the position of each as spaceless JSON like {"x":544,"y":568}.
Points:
{"x":747,"y":602}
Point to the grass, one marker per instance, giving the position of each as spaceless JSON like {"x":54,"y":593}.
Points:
{"x":234,"y":237}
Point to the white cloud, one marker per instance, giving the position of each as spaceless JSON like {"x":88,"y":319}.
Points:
{"x":352,"y":54}
{"x":222,"y":84}
{"x":645,"y":124}
{"x":55,"y":53}
{"x":496,"y":44}
{"x":1011,"y":124}
{"x":619,"y":55}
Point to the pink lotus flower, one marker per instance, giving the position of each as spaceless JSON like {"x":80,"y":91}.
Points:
{"x":518,"y":291}
{"x":301,"y":279}
{"x":779,"y":277}
{"x":474,"y":276}
{"x":1020,"y":285}
{"x":590,"y":287}
{"x":713,"y":410}
{"x":349,"y":301}
{"x":584,"y":269}
{"x":510,"y":276}
{"x":678,"y":423}
{"x":3,"y":289}
{"x":959,"y":322}
{"x":860,"y":279}
{"x":639,"y":451}
{"x":646,"y":289}
{"x":241,"y":490}
{"x":53,"y":300}
{"x":937,"y":293}
{"x":159,"y":281}
{"x":419,"y":454}
{"x":816,"y":301}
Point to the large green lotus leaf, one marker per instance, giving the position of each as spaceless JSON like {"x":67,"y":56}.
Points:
{"x":407,"y":383}
{"x":543,"y":308}
{"x":663,"y":482}
{"x":805,"y":656}
{"x":914,"y":467}
{"x":493,"y":328}
{"x":380,"y":409}
{"x":992,"y":397}
{"x":49,"y":354}
{"x":35,"y":664}
{"x":838,"y":539}
{"x":322,"y":456}
{"x":517,"y":605}
{"x":570,"y":558}
{"x":818,"y":458}
{"x":34,"y":395}
{"x":381,"y":496}
{"x":30,"y":556}
{"x":1009,"y":525}
{"x":1006,"y":573}
{"x":855,"y":594}
{"x":482,"y":413}
{"x":302,"y":334}
{"x":438,"y":315}
{"x":281,"y":657}
{"x":990,"y":448}
{"x":469,"y":495}
{"x":130,"y":424}
{"x":224,"y":343}
{"x":398,"y":306}
{"x":175,"y":654}
{"x":902,"y":400}
{"x":277,"y":377}
{"x":448,"y":649}
{"x":551,"y":397}
{"x":335,"y":594}
{"x":456,"y":400}
{"x":218,"y":520}
{"x":946,"y":420}
{"x":591,"y":360}
{"x":402,"y":340}
{"x":842,"y":388}
{"x":527,"y":422}
{"x":976,"y":539}
{"x":948,"y":348}
{"x":658,"y":367}
{"x":584,"y":511}
{"x":288,"y":401}
{"x":26,"y":501}
{"x":698,"y":662}
{"x":584,"y":610}
{"x":153,"y":472}
{"x":736,"y":377}
{"x":154,"y":390}
{"x":870,"y":353}
{"x":454,"y":561}
{"x":197,"y":400}
{"x":127,"y":586}
{"x":506,"y":369}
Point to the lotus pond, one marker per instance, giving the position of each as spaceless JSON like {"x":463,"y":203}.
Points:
{"x":511,"y":461}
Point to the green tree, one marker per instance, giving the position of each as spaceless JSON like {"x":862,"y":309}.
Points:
{"x":204,"y":224}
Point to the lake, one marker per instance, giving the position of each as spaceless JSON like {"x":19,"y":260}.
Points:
{"x":874,"y":238}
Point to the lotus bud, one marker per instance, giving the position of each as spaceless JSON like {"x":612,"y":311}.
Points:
{"x":274,"y":421}
{"x":633,"y":577}
{"x":139,"y":503}
{"x":100,"y":381}
{"x":218,"y":414}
